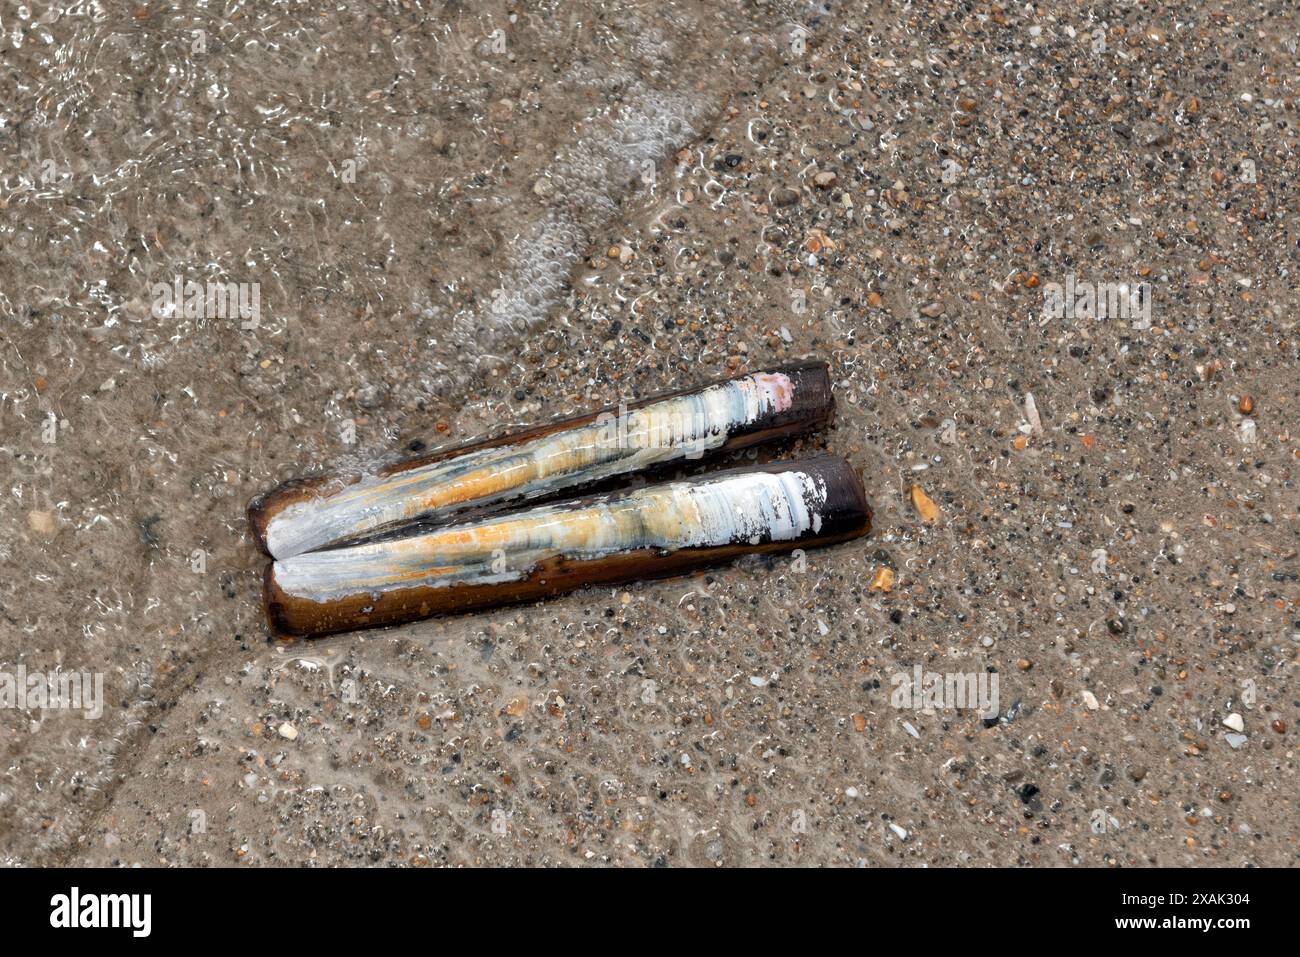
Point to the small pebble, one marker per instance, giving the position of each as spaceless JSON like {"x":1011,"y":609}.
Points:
{"x":924,"y":505}
{"x":883,"y":580}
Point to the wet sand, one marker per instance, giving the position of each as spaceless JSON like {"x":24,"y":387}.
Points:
{"x":456,"y":231}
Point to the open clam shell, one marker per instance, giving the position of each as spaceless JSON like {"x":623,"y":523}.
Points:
{"x":305,"y":515}
{"x":655,"y":530}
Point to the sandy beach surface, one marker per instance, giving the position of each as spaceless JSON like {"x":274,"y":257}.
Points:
{"x":449,"y":219}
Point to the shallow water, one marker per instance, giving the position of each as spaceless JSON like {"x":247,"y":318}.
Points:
{"x":451,"y":230}
{"x":401,"y":193}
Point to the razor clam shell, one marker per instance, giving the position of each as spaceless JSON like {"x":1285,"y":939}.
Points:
{"x":657,"y":530}
{"x":305,"y":515}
